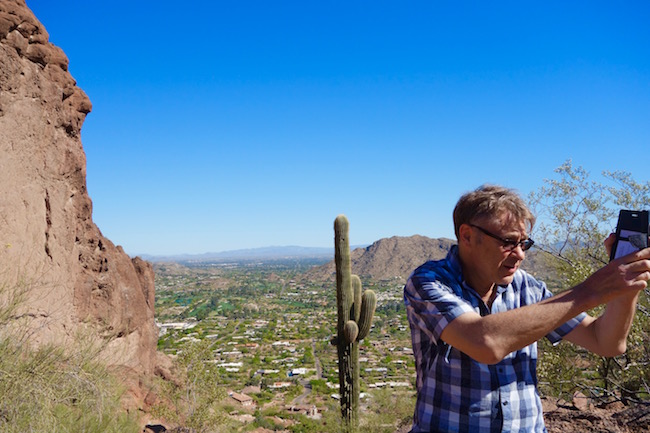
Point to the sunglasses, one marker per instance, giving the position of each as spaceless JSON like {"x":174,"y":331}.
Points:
{"x":508,"y":244}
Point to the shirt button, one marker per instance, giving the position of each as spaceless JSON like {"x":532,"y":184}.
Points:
{"x":505,"y":403}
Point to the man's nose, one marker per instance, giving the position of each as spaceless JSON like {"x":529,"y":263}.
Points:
{"x":519,"y":252}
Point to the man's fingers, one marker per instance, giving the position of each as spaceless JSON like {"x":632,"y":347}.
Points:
{"x":609,"y":243}
{"x":636,"y":256}
{"x":637,"y":272}
{"x":642,"y":283}
{"x":644,"y":276}
{"x":638,"y":266}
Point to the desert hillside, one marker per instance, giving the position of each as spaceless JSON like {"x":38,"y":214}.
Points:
{"x":389,"y":258}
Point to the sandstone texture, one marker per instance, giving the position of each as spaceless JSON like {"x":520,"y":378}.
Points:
{"x":76,"y":283}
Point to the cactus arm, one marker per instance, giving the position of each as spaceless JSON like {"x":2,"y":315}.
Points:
{"x":351,"y":331}
{"x":368,"y":305}
{"x":356,"y":290}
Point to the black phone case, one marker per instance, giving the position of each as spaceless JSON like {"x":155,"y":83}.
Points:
{"x":631,"y":221}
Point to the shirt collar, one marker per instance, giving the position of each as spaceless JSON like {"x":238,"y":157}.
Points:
{"x":454,"y":262}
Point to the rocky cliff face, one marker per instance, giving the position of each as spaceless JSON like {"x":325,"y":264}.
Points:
{"x":76,"y":281}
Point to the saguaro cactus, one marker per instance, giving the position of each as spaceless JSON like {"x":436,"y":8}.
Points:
{"x":355,"y":311}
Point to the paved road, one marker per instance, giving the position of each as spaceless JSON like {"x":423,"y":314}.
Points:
{"x":305,"y":382}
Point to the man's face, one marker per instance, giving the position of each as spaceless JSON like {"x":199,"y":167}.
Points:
{"x":493,"y":260}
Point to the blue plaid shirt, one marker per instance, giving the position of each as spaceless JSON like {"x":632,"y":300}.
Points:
{"x":454,"y":392}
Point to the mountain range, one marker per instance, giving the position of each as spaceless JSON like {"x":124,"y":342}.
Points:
{"x":272,"y":252}
{"x":396,"y":257}
{"x":391,"y":258}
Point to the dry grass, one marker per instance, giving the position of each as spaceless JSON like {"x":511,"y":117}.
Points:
{"x":52,"y":388}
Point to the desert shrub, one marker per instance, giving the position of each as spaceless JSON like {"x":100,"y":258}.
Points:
{"x":197,"y":400}
{"x":53,"y":388}
{"x":330,"y":422}
{"x":575,"y":215}
{"x":387,"y":410}
{"x":319,"y":387}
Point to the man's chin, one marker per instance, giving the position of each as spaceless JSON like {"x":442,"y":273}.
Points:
{"x":506,"y":280}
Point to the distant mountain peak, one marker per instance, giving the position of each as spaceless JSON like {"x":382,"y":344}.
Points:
{"x":389,"y":258}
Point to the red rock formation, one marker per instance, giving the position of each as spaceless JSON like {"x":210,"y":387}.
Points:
{"x":79,"y":282}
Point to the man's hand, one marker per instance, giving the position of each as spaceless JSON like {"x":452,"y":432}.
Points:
{"x":626,"y":275}
{"x":607,"y":335}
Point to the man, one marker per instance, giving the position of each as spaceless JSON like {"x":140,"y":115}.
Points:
{"x":475,"y":319}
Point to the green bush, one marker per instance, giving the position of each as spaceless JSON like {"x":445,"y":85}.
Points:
{"x":575,"y":215}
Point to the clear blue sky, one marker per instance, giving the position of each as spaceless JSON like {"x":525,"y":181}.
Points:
{"x":221,"y":125}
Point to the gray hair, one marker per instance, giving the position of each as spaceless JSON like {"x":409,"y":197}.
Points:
{"x":490,"y":202}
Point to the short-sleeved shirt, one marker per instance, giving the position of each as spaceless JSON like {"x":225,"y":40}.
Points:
{"x":454,"y":392}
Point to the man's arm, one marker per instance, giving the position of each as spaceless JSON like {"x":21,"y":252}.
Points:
{"x":490,"y":338}
{"x":607,"y":334}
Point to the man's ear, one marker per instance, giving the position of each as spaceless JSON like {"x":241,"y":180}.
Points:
{"x":465,"y":234}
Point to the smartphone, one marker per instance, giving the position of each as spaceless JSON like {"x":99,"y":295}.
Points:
{"x":631,"y":233}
